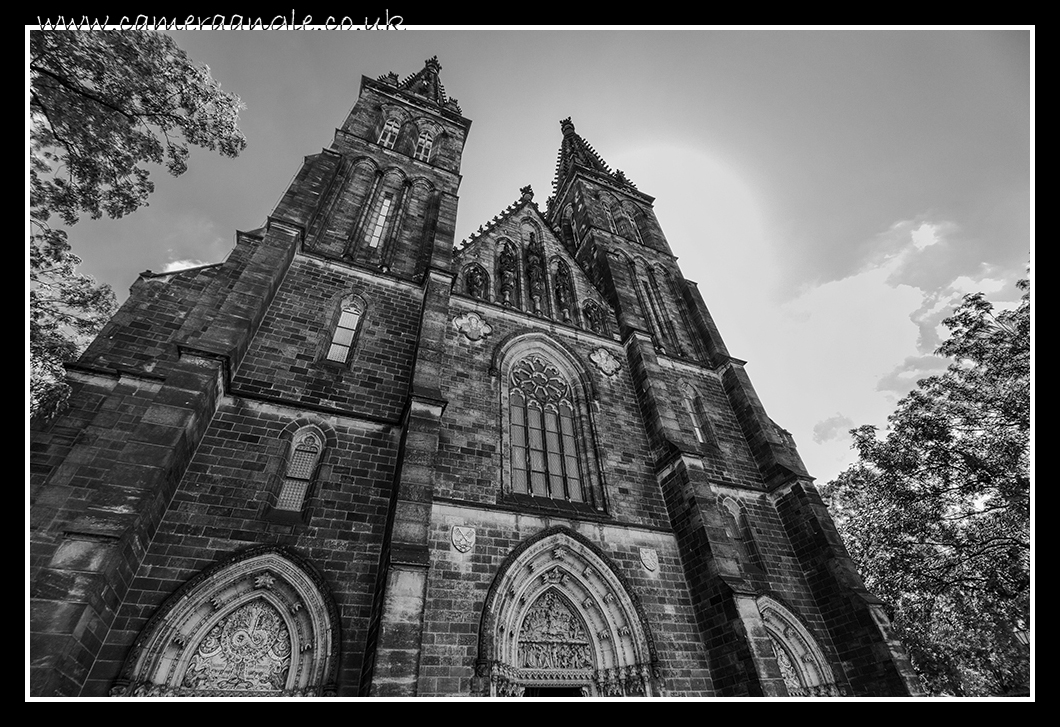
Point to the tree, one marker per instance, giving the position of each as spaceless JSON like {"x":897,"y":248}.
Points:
{"x":936,"y":513}
{"x":103,"y":105}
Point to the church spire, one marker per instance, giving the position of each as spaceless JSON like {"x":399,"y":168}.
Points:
{"x":425,"y":84}
{"x":574,"y":151}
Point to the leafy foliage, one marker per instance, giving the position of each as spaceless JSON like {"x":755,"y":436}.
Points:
{"x":937,"y":513}
{"x":103,"y":105}
{"x":66,"y":308}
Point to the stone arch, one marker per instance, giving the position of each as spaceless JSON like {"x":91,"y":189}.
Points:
{"x":559,"y":614}
{"x":197,"y":642}
{"x":802,"y":663}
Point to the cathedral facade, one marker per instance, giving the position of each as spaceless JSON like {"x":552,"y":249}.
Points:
{"x":355,"y":460}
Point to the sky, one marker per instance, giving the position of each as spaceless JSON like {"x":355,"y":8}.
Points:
{"x":834,"y":193}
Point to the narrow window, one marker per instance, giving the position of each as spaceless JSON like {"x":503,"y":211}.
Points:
{"x":388,"y":136}
{"x":610,"y":218}
{"x":697,"y":426}
{"x":423,"y":146}
{"x":300,"y":468}
{"x":378,"y":223}
{"x":744,"y":537}
{"x":345,"y":329}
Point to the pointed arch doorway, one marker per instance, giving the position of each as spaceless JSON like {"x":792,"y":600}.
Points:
{"x":560,"y":621}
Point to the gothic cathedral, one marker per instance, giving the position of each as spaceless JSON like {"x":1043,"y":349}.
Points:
{"x":355,"y":460}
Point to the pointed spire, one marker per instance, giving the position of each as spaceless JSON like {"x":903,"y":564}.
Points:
{"x":428,"y":85}
{"x":576,"y":151}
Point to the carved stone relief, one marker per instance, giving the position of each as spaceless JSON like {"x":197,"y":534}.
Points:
{"x":649,"y":557}
{"x":605,"y":361}
{"x":247,"y":650}
{"x":473,"y":326}
{"x":552,"y":637}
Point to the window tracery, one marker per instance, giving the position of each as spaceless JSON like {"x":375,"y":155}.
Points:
{"x":544,"y":445}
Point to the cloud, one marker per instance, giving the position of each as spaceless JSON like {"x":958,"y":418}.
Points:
{"x":175,"y":265}
{"x":832,"y":428}
{"x":903,"y":377}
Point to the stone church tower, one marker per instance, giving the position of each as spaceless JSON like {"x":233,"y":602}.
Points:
{"x":352,"y":459}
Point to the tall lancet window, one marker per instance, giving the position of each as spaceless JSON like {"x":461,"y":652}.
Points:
{"x":544,"y":446}
{"x":377,"y":223}
{"x":301,"y":465}
{"x":423,"y":146}
{"x":345,"y":331}
{"x":388,"y":136}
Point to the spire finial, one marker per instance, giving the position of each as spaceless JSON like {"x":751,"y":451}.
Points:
{"x":527,"y":192}
{"x":567,"y":126}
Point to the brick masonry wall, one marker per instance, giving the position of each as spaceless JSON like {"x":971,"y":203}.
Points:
{"x":286,"y":360}
{"x":141,"y":332}
{"x":221,"y":505}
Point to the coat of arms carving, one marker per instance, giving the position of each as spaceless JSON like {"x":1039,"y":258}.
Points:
{"x":650,"y":558}
{"x":463,"y":538}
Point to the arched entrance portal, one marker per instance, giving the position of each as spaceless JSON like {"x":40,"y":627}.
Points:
{"x":260,"y":624}
{"x":560,"y":621}
{"x":801,"y":661}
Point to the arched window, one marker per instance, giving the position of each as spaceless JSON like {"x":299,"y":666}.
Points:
{"x":544,"y":443}
{"x":423,"y":146}
{"x":610,"y":217}
{"x":567,"y":229}
{"x":342,"y":337}
{"x":373,"y":233}
{"x":388,"y":136}
{"x":701,"y":426}
{"x":631,"y":216}
{"x":743,"y":535}
{"x":302,"y":459}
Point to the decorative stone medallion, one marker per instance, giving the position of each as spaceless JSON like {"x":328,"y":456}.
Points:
{"x":605,"y":361}
{"x":650,"y":558}
{"x":463,"y":538}
{"x":472,"y":325}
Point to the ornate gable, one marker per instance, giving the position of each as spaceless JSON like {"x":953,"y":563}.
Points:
{"x":516,"y":260}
